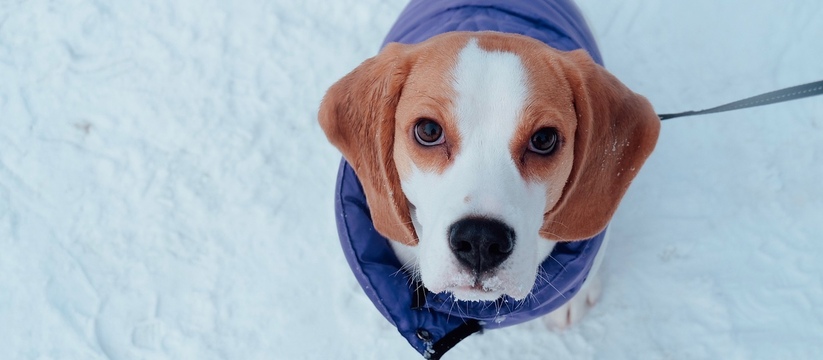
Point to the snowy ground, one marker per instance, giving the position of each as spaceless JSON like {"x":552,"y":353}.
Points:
{"x":165,"y":192}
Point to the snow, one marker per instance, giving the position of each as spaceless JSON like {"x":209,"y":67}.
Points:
{"x":165,"y":191}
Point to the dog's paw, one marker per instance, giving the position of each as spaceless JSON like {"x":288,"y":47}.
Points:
{"x":574,"y":310}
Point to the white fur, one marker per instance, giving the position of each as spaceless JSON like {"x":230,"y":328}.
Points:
{"x":491,"y":90}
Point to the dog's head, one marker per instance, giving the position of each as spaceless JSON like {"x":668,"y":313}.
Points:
{"x":477,"y":151}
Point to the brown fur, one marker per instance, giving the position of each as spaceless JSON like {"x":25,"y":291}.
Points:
{"x":606,"y":130}
{"x":357,"y":115}
{"x":427,"y":93}
{"x":616,"y":131}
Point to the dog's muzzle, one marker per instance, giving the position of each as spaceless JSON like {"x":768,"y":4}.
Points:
{"x":481,"y":244}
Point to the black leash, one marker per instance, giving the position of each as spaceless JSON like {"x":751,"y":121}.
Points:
{"x":791,"y":93}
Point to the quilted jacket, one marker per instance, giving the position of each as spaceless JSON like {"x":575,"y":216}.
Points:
{"x":428,"y":321}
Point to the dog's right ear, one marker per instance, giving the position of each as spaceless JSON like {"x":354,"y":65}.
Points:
{"x":358,"y":115}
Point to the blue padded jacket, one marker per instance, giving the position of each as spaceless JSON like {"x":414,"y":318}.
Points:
{"x":428,"y":321}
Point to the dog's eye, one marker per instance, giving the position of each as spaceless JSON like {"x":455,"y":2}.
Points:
{"x":428,"y":133}
{"x":544,"y":141}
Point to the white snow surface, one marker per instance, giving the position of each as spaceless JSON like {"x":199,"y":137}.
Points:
{"x":166,"y":192}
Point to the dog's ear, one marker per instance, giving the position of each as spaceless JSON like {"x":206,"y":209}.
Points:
{"x":616,"y":131}
{"x":358,"y":114}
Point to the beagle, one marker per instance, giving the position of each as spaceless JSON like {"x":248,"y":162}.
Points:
{"x":479,"y":152}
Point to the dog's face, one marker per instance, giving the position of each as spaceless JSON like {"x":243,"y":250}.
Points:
{"x":481,"y":158}
{"x":477,"y":151}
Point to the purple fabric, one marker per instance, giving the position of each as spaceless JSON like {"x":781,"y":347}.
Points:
{"x":557,"y":23}
{"x":560,"y":25}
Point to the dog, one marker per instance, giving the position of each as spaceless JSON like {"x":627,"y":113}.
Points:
{"x":480,"y":154}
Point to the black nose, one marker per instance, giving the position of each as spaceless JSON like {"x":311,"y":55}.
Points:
{"x":481,"y":244}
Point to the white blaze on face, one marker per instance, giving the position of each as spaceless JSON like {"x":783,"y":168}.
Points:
{"x":491,"y":89}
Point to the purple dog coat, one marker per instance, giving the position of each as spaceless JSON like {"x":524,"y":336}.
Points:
{"x":428,"y":321}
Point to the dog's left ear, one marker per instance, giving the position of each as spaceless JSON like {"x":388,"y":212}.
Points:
{"x":616,"y":131}
{"x":358,"y":114}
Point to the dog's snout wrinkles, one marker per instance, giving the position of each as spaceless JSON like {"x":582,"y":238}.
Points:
{"x":481,"y":244}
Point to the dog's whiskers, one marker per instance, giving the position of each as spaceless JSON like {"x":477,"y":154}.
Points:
{"x":489,"y":303}
{"x":459,"y":311}
{"x":555,"y":289}
{"x":455,"y":305}
{"x":532,"y":296}
{"x":542,"y":275}
{"x":410,"y":269}
{"x":449,"y":313}
{"x":508,"y":306}
{"x":558,"y":262}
